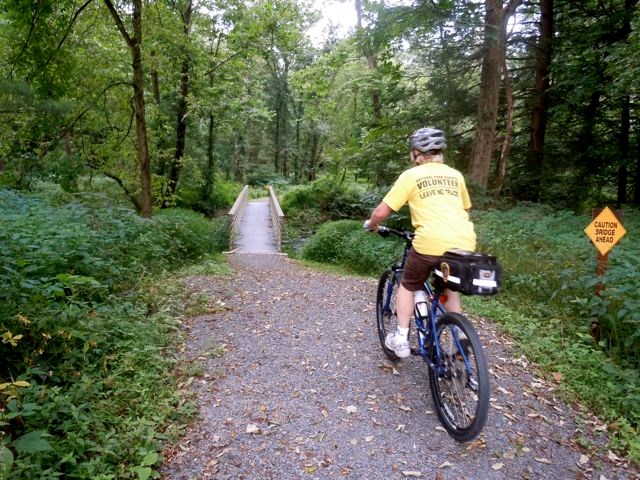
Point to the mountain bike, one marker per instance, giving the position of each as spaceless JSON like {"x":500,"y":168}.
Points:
{"x":449,"y":345}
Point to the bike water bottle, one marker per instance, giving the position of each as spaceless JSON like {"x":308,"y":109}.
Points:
{"x":420,"y":300}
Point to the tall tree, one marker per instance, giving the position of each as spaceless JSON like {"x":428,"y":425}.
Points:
{"x":540,"y":100}
{"x":185,"y":10}
{"x":496,"y":19}
{"x":134,"y":42}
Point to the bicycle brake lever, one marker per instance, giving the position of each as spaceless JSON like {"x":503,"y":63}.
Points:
{"x":383,"y":231}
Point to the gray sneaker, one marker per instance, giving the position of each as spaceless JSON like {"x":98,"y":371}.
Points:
{"x":399,"y":346}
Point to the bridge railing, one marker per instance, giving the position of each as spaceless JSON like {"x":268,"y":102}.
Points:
{"x":277,"y":217}
{"x":235,"y":214}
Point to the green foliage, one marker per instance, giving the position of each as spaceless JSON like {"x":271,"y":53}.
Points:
{"x":308,"y":206}
{"x":344,"y":242}
{"x":218,"y":198}
{"x":549,"y":286}
{"x":192,"y":233}
{"x":85,"y":389}
{"x":333,"y":199}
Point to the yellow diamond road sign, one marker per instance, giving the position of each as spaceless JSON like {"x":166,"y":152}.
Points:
{"x":605,"y":231}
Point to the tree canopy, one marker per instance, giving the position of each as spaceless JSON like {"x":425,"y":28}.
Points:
{"x":538,"y":99}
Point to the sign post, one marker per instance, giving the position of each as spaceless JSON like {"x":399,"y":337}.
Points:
{"x":604,"y":231}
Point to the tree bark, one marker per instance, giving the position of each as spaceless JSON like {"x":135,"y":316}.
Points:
{"x":372,"y":64}
{"x":209,"y":174}
{"x":506,"y":145}
{"x":636,"y":179}
{"x":145,"y":205}
{"x":496,"y":19}
{"x":183,"y":105}
{"x":539,"y":111}
{"x":625,"y":126}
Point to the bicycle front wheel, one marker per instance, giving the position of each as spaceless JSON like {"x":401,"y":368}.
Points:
{"x":386,"y":309}
{"x":459,"y":379}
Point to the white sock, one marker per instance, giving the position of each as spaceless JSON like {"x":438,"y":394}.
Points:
{"x":402,"y":333}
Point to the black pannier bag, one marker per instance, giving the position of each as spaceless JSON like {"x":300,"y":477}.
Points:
{"x":469,"y":273}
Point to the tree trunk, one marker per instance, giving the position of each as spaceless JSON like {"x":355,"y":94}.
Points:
{"x":209,"y":174}
{"x":496,"y":19}
{"x":145,"y":205}
{"x":539,"y":111}
{"x":183,"y":106}
{"x":487,"y":112}
{"x":372,"y":64}
{"x":625,"y":122}
{"x":625,"y":126}
{"x":506,"y":145}
{"x":636,"y":179}
{"x":276,"y":140}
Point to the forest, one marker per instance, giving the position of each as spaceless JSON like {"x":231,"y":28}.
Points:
{"x":129,"y":126}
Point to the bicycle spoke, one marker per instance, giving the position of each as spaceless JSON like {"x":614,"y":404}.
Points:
{"x":460,"y":385}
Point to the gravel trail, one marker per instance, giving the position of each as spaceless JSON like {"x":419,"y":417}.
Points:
{"x":303,"y":391}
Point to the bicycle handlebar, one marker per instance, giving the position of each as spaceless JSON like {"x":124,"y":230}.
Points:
{"x":404,"y":234}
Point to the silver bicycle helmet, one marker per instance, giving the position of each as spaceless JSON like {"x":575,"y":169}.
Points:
{"x":425,"y":139}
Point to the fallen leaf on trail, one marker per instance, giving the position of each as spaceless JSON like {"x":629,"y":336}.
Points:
{"x":446,"y":465}
{"x":613,"y":457}
{"x":404,"y":408}
{"x":510,"y":455}
{"x":401,"y":427}
{"x":542,"y":460}
{"x":497,"y":466}
{"x":368,"y":439}
{"x":351,"y":409}
{"x":311,"y":469}
{"x":504,"y":390}
{"x":557,"y":376}
{"x":441,"y":429}
{"x":324,"y":412}
{"x":251,"y":428}
{"x":411,"y":473}
{"x":583,"y":459}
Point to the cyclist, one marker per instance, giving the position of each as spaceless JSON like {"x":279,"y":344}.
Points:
{"x":438,"y":202}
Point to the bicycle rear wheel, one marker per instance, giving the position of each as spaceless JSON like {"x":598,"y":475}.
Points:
{"x":386,"y":309}
{"x":459,"y":380}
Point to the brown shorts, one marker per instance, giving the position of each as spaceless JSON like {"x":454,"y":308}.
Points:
{"x":417,"y":269}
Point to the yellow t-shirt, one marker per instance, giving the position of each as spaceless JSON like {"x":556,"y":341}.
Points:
{"x":438,"y":200}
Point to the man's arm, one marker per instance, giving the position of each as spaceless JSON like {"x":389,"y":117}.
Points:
{"x":379,"y":214}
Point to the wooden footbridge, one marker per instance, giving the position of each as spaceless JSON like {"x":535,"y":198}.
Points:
{"x":256,"y":225}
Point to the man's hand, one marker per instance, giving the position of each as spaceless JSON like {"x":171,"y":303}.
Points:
{"x":366,"y":226}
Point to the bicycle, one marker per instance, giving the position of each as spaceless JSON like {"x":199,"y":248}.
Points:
{"x":447,"y":342}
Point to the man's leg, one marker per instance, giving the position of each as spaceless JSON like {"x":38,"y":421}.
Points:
{"x":398,"y":341}
{"x":452,"y":304}
{"x":404,"y":302}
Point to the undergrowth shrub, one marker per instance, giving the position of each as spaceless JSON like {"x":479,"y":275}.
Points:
{"x":308,"y":206}
{"x":335,"y":200}
{"x":84,"y":390}
{"x":344,"y":242}
{"x":220,"y":198}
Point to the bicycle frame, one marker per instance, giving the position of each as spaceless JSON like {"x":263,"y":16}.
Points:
{"x":447,"y":342}
{"x":427,"y":339}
